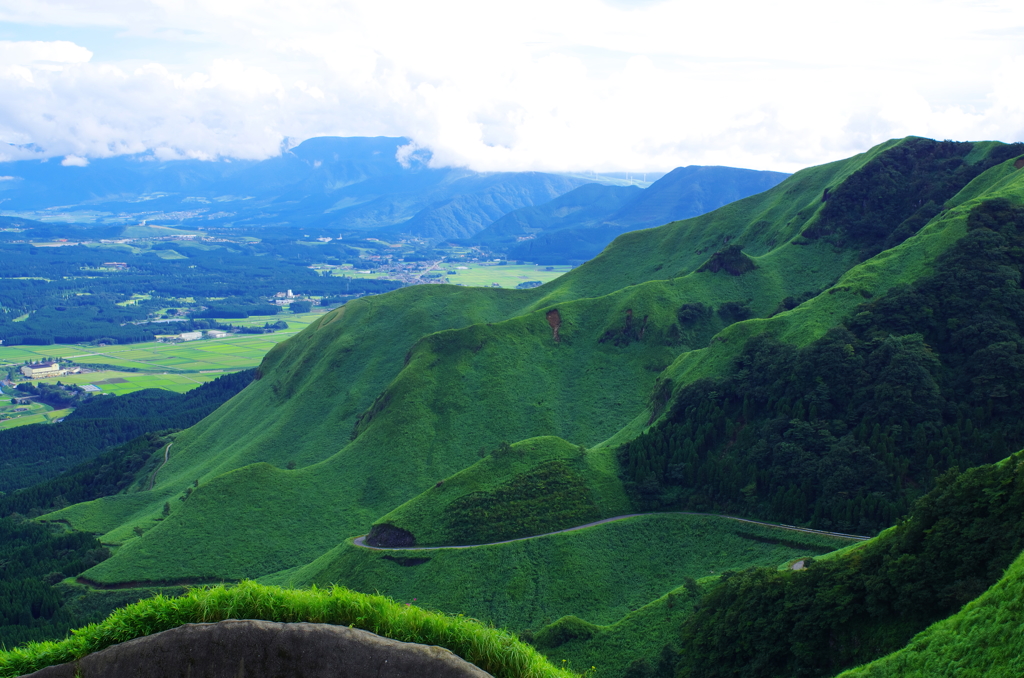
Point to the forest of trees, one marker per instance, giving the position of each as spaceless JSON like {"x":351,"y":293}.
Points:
{"x":845,"y":433}
{"x":898,"y":192}
{"x":846,"y":610}
{"x":33,"y":558}
{"x":68,"y":295}
{"x":37,"y":452}
{"x":99,"y":450}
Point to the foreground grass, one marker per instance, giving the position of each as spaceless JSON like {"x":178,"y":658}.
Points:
{"x":495,"y":651}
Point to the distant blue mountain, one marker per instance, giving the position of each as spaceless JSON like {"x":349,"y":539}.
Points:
{"x":359,"y":183}
{"x":578,"y":225}
{"x":327,"y":182}
{"x":585,"y":206}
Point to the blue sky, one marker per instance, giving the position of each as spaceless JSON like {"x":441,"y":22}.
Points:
{"x":605,"y":85}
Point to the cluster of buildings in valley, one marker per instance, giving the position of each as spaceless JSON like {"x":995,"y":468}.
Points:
{"x":286,"y":298}
{"x":196,"y":334}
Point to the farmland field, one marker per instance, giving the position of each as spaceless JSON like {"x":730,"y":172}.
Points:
{"x":234,"y":352}
{"x":506,"y":276}
{"x":112,"y":381}
{"x":174,"y":367}
{"x":478,"y":276}
{"x":31,"y":413}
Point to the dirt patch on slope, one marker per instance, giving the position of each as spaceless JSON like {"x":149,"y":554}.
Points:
{"x":555,"y":320}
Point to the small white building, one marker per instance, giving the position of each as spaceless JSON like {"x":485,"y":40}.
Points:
{"x":38,"y":370}
{"x":190,"y":336}
{"x":216,"y":334}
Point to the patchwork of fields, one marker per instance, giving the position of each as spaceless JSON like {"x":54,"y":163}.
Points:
{"x":174,"y":367}
{"x":29,"y":413}
{"x":234,"y":352}
{"x":505,"y":276}
{"x":475,"y":275}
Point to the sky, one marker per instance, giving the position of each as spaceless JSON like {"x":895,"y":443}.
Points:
{"x":548,"y":85}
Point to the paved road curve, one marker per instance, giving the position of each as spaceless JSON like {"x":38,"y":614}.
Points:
{"x":361,"y":541}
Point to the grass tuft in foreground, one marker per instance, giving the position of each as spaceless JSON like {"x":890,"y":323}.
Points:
{"x":494,"y":650}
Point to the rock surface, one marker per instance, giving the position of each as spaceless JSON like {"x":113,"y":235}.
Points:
{"x":251,"y":648}
{"x":384,"y":535}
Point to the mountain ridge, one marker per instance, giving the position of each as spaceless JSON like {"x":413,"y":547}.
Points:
{"x":406,"y":389}
{"x":552,"y":233}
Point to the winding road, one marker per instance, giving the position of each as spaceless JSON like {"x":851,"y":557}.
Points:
{"x":361,"y":541}
{"x":167,"y":453}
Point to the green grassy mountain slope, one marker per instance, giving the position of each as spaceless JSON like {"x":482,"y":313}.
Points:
{"x":536,"y":486}
{"x":438,"y":411}
{"x":911,"y":380}
{"x":589,"y":573}
{"x":984,"y":639}
{"x":389,"y":395}
{"x":842,"y":608}
{"x":816,"y":354}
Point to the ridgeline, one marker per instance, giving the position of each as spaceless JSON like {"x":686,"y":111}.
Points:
{"x":833,"y":353}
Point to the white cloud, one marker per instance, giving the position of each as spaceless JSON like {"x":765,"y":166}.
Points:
{"x":46,"y":55}
{"x":8,"y":178}
{"x":74,"y":161}
{"x":578,"y":84}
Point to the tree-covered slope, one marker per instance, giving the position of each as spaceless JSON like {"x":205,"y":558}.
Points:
{"x":842,"y":608}
{"x":30,"y":455}
{"x":984,"y":639}
{"x":845,"y":431}
{"x":837,"y":612}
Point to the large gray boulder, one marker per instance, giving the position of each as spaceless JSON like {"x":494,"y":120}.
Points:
{"x":251,"y":648}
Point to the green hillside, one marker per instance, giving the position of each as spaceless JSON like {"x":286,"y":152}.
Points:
{"x":388,"y":395}
{"x":424,"y":370}
{"x":819,"y":355}
{"x":599,"y":573}
{"x":841,"y":608}
{"x":983,"y":639}
{"x":913,"y":380}
{"x":536,"y":486}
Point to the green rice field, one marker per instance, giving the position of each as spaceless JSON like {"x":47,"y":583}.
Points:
{"x":175,"y":367}
{"x":505,"y":276}
{"x":475,"y":275}
{"x":236,"y":352}
{"x":112,"y":381}
{"x":43,"y":415}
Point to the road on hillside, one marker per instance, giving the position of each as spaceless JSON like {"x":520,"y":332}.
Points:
{"x":361,"y":541}
{"x":167,"y":453}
